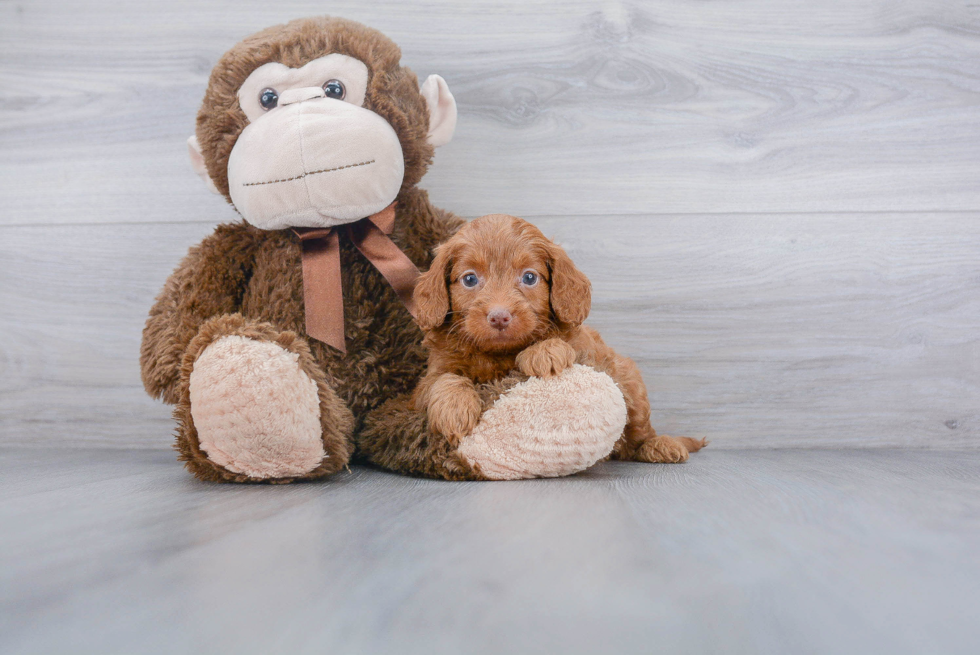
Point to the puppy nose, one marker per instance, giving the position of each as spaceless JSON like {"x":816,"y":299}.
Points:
{"x":499,"y":318}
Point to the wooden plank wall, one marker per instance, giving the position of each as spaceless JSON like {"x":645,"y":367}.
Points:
{"x":778,"y":201}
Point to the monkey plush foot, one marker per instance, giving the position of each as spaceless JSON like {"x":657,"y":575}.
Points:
{"x":253,"y":413}
{"x":255,"y":410}
{"x":545,"y":428}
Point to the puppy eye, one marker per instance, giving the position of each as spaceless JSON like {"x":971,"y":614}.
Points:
{"x":269,"y":98}
{"x":334,"y":89}
{"x":529,"y":278}
{"x":469,"y":280}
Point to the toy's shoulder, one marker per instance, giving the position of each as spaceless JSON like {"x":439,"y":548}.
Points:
{"x":238,"y":242}
{"x":235,"y":235}
{"x":420,"y":226}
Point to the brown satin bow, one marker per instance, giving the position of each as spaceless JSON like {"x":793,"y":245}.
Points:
{"x":322,"y":290}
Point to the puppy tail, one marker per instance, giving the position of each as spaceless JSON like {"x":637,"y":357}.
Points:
{"x":692,"y":445}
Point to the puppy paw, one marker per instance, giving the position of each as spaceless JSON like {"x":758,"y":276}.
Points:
{"x":663,"y":449}
{"x":454,"y":407}
{"x":546,"y":359}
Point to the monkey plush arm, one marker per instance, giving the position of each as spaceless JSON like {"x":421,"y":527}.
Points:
{"x":209,"y":282}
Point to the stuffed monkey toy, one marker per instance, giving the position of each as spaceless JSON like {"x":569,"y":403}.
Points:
{"x":278,"y":338}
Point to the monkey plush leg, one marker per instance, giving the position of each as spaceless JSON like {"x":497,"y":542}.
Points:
{"x":548,"y":427}
{"x":530,"y":428}
{"x":254,"y":407}
{"x":397,"y":436}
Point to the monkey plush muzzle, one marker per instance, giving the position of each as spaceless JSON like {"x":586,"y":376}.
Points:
{"x":314,"y":161}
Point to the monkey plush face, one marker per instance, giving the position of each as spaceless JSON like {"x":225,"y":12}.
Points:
{"x":312,"y":155}
{"x":315,"y":124}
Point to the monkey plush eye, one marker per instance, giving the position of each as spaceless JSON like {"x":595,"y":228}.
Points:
{"x":529,"y":278}
{"x":269,"y":98}
{"x":335,"y":89}
{"x":469,"y":280}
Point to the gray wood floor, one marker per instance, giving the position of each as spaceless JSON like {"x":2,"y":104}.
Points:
{"x":778,"y":203}
{"x":750,"y":551}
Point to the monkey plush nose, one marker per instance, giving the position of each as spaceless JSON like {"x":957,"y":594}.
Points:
{"x":291,"y":96}
{"x":499,"y":318}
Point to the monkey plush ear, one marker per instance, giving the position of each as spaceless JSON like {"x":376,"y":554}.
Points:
{"x":571,"y":291}
{"x":442,"y":110}
{"x":197,"y":163}
{"x":432,"y":291}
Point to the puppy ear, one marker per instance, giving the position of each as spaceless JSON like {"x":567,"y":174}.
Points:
{"x":432,"y":291}
{"x":571,"y":291}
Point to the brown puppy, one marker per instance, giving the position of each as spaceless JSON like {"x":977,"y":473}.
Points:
{"x":500,"y":296}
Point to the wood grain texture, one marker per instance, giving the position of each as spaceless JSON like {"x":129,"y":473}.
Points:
{"x":834,"y":330}
{"x":577,"y":108}
{"x":789,"y":551}
{"x":659,"y":140}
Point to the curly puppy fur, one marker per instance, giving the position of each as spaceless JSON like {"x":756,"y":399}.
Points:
{"x":500,"y":296}
{"x":244,"y":281}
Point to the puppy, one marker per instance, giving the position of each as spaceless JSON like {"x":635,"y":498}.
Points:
{"x":500,"y":296}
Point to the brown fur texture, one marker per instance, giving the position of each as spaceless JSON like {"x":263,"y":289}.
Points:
{"x":245,"y":281}
{"x":524,"y":277}
{"x":398,"y":436}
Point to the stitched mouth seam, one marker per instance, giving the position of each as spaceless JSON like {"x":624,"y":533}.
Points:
{"x":300,"y":177}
